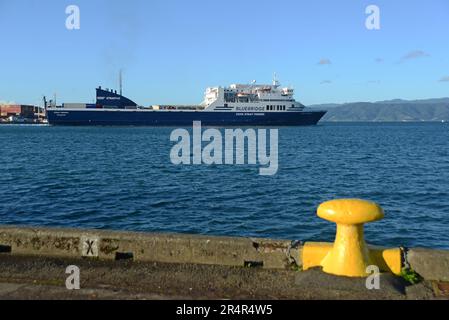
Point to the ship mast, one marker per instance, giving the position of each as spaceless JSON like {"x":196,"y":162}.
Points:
{"x":275,"y":80}
{"x":120,"y":81}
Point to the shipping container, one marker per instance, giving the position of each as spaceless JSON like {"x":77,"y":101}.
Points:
{"x":74,"y":105}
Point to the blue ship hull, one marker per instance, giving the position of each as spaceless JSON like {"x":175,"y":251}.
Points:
{"x":179,"y":118}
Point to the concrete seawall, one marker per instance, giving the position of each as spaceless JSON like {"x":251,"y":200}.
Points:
{"x":149,"y":247}
{"x":273,"y":258}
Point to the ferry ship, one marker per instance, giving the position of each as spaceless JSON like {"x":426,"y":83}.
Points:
{"x":236,"y":105}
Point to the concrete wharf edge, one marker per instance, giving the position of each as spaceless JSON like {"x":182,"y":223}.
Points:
{"x":184,"y":249}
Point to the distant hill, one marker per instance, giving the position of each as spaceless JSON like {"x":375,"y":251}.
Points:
{"x":391,"y":110}
{"x":423,"y":101}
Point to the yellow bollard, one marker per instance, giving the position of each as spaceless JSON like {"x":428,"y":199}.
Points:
{"x":349,"y":255}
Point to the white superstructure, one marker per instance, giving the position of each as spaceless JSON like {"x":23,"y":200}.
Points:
{"x":251,"y":98}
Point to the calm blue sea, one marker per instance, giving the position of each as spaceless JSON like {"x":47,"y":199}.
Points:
{"x":122,"y":178}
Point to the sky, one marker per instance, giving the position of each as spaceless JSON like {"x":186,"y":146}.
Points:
{"x":171,"y":50}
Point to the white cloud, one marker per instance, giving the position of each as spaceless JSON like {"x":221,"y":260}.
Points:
{"x":414,"y":55}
